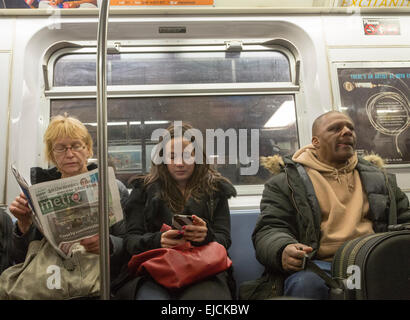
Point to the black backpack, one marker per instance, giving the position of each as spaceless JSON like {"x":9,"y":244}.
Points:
{"x":6,"y":229}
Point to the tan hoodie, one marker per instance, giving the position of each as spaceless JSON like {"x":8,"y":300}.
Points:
{"x":341,"y":198}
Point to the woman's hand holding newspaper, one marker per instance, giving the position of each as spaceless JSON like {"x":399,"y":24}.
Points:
{"x":20,"y":209}
{"x":92,"y":244}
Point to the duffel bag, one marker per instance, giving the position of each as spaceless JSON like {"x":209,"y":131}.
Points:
{"x":375,"y":266}
{"x":371,"y":267}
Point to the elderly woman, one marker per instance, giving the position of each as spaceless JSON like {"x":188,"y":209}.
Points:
{"x":68,"y":146}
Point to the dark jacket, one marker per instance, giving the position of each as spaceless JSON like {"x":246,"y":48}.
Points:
{"x":21,"y":242}
{"x":6,"y":245}
{"x":290,"y":214}
{"x":146,"y":212}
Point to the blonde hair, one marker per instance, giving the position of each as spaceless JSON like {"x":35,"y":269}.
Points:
{"x":63,"y":126}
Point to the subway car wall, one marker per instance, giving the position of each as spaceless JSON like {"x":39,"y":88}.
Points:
{"x":272,"y":72}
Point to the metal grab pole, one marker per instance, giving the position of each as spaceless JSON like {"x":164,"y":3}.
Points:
{"x":102,"y":151}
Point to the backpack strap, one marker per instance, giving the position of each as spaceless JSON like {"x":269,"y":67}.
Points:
{"x":310,"y":192}
{"x":308,"y":264}
{"x":393,"y":205}
{"x":330,"y":282}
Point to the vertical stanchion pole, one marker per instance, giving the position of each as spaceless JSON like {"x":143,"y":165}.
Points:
{"x":102,"y":150}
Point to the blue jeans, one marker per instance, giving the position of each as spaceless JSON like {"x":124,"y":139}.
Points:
{"x":307,"y":284}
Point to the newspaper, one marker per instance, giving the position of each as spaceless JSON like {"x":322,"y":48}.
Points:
{"x":66,"y":210}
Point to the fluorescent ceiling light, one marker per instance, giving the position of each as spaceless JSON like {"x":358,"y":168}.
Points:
{"x":94,"y":124}
{"x":123,"y":123}
{"x":156,"y":122}
{"x":283,"y":117}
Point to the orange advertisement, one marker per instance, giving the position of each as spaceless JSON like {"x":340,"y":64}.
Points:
{"x":162,"y":2}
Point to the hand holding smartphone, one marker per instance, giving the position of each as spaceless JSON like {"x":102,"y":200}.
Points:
{"x":180,"y":220}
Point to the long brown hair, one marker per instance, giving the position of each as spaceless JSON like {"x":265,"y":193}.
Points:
{"x":203,"y":181}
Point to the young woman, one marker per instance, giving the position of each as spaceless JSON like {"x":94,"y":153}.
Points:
{"x":179,"y":186}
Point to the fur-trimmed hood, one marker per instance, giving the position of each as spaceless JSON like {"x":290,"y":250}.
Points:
{"x":275,"y":163}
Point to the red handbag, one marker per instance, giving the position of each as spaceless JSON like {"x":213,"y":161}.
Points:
{"x":182,"y":265}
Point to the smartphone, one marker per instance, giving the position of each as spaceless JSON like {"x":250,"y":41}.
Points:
{"x":180,"y":220}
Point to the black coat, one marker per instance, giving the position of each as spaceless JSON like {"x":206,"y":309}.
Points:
{"x":289,"y":215}
{"x":146,"y":212}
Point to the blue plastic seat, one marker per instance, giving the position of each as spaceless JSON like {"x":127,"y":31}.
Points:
{"x":242,"y":252}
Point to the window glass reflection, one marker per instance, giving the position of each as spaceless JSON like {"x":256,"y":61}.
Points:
{"x":132,"y":121}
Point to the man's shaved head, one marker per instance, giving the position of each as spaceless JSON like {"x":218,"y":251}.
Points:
{"x":318,"y":121}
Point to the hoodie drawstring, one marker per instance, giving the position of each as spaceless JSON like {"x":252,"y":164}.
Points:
{"x":336,"y":175}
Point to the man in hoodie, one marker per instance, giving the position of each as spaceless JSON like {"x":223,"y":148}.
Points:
{"x":321,"y":197}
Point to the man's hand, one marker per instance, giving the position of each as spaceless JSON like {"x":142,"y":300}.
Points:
{"x":292,"y":256}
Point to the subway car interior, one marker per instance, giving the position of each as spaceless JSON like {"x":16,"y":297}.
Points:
{"x":257,"y":73}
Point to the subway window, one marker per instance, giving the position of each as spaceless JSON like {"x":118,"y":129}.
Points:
{"x":174,"y":68}
{"x":236,"y":94}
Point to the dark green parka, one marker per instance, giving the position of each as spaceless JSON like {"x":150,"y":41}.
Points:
{"x":290,"y":213}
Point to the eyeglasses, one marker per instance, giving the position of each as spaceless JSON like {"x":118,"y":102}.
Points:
{"x":77,"y":147}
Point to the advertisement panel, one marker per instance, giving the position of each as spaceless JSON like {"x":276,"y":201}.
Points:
{"x":377,"y":100}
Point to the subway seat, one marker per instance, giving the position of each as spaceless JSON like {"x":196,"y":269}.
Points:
{"x":242,"y":252}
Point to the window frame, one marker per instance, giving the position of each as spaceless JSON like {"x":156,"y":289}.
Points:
{"x":57,"y":50}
